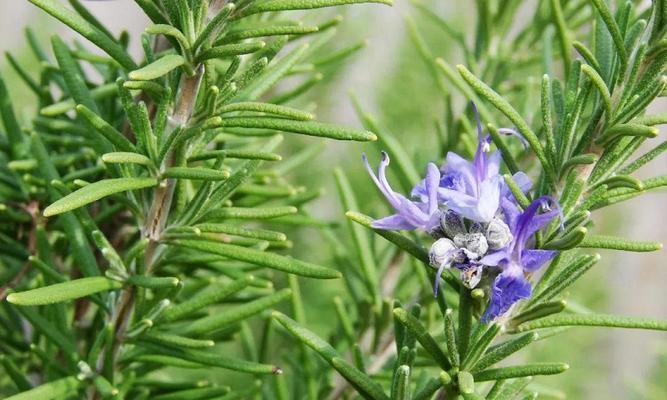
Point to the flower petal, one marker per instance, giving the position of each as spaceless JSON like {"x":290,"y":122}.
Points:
{"x":495,"y":259}
{"x":492,"y":165}
{"x":489,"y":199}
{"x":381,"y":180}
{"x":432,"y":181}
{"x":533,"y":259}
{"x":508,"y":288}
{"x":530,"y":221}
{"x":394,"y":222}
{"x":523,"y":181}
{"x":457,"y":165}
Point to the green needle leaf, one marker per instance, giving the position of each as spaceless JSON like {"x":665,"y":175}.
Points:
{"x":565,"y":278}
{"x":212,"y":359}
{"x":616,"y":243}
{"x":240,"y":34}
{"x":367,"y":387}
{"x":309,"y":128}
{"x":153,"y":282}
{"x":105,"y":129}
{"x":163,"y":338}
{"x":508,"y":389}
{"x":87,"y":30}
{"x":96,"y":191}
{"x":214,"y":294}
{"x":251,"y":213}
{"x":539,"y":311}
{"x":388,"y":141}
{"x":287,"y":5}
{"x":498,"y":353}
{"x":12,"y":127}
{"x":563,"y":33}
{"x":450,"y":338}
{"x":360,"y":237}
{"x":422,"y":335}
{"x":587,"y":55}
{"x":230,"y":50}
{"x":261,"y":234}
{"x":622,"y":181}
{"x":219,"y":321}
{"x":399,"y":240}
{"x":641,"y":161}
{"x":621,"y":130}
{"x":269,"y":260}
{"x":196,"y":173}
{"x":215,"y":392}
{"x":267,"y":108}
{"x":611,"y":321}
{"x":157,"y":68}
{"x":614,"y":31}
{"x":74,"y":80}
{"x":240,"y":154}
{"x":601,"y":87}
{"x":401,"y":386}
{"x":466,"y":382}
{"x":61,"y":107}
{"x":271,"y":75}
{"x":168,"y":30}
{"x":54,"y":390}
{"x":18,"y":377}
{"x":124,"y":157}
{"x":568,"y":241}
{"x":520,"y":371}
{"x":479,"y":346}
{"x":65,"y":291}
{"x":503,"y":106}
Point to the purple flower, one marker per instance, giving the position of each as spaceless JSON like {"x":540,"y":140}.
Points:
{"x":517,"y":259}
{"x":470,"y":188}
{"x":422,"y":214}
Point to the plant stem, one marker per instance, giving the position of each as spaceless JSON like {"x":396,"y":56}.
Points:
{"x":158,"y":213}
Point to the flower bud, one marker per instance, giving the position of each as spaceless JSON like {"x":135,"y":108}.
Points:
{"x":443,"y":251}
{"x":477,"y":227}
{"x":498,"y":234}
{"x":452,"y":223}
{"x":474,"y":243}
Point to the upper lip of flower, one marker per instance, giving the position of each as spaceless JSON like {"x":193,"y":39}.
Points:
{"x":409,"y":214}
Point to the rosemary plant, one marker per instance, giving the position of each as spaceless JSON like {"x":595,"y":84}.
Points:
{"x":145,"y":207}
{"x":501,"y":236}
{"x":132,"y":203}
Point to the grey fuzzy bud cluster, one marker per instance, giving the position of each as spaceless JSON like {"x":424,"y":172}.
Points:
{"x":464,"y":245}
{"x":498,"y":234}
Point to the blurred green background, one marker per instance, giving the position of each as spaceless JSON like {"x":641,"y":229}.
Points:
{"x":393,"y":83}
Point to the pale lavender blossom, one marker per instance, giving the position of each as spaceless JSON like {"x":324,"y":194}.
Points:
{"x":470,"y":188}
{"x":422,"y":213}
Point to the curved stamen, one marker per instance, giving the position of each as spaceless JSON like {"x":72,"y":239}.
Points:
{"x":446,"y":261}
{"x":386,"y":190}
{"x":432,"y":183}
{"x":436,"y":285}
{"x":512,"y":132}
{"x":480,"y":131}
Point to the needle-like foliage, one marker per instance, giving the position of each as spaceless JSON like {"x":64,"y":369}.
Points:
{"x":134,"y":203}
{"x":146,"y":207}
